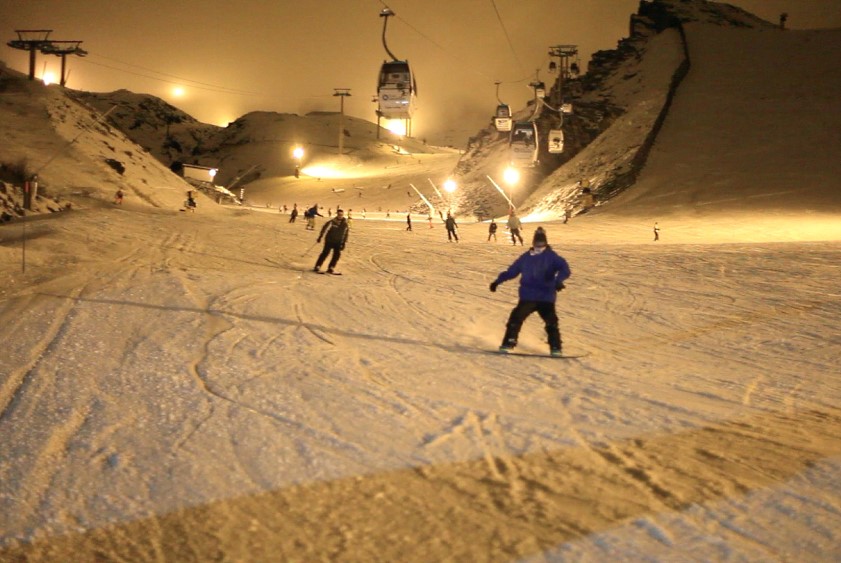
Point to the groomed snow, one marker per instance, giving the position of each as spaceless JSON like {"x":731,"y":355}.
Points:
{"x":181,"y":385}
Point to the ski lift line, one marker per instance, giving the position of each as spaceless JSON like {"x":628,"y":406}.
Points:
{"x":507,"y":36}
{"x":448,"y":52}
{"x":232,"y":92}
{"x":180,"y":78}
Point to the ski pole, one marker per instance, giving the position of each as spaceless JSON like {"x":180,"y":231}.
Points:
{"x":309,"y":249}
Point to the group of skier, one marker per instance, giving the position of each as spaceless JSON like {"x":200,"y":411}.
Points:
{"x":541,"y":270}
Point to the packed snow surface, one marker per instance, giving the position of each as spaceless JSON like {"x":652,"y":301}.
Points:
{"x":182,"y":387}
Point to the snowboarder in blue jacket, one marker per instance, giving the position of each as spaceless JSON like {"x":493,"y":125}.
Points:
{"x":542,"y":273}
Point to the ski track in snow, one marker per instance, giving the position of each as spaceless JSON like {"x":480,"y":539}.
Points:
{"x":255,"y":376}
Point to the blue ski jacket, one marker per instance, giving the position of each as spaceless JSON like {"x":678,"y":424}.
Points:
{"x":541,"y":274}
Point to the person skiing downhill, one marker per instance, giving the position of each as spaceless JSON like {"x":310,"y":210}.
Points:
{"x":310,"y":215}
{"x":451,"y":228}
{"x":514,"y":226}
{"x":334,"y":232}
{"x":542,"y":273}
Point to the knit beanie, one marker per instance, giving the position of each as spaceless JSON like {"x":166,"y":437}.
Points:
{"x":539,"y":237}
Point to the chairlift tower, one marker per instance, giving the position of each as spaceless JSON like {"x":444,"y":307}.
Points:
{"x":62,"y":49}
{"x":564,"y":53}
{"x":342,"y":93}
{"x":31,"y":40}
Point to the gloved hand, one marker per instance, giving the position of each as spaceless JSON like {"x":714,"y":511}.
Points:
{"x":560,"y":286}
{"x":318,"y":239}
{"x":494,"y":286}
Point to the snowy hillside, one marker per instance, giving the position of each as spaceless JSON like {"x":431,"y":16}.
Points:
{"x":74,"y":152}
{"x":755,"y":105}
{"x":619,"y":104}
{"x":162,"y":129}
{"x":755,"y":119}
{"x":263,"y":140}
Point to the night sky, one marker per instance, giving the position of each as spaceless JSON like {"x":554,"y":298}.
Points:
{"x":233,"y":57}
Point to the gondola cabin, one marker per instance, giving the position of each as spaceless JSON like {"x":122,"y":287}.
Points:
{"x":566,"y":108}
{"x":502,"y":118}
{"x":556,"y":141}
{"x":540,"y":90}
{"x":522,"y":144}
{"x":396,"y":91}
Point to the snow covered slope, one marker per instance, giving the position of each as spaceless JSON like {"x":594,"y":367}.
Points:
{"x":260,"y":139}
{"x":755,"y":121}
{"x":74,"y":152}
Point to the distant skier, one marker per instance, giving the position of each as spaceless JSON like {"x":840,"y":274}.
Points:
{"x":118,"y":197}
{"x":429,"y":218}
{"x":514,"y":226}
{"x":294,"y":214}
{"x":409,"y":221}
{"x":310,"y":215}
{"x":335,"y":233}
{"x":542,"y":274}
{"x":492,"y":230}
{"x":451,"y":228}
{"x":190,"y":204}
{"x":656,"y":232}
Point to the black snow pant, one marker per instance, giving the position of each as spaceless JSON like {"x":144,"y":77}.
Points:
{"x":545,"y":309}
{"x":516,"y":233}
{"x":336,"y":247}
{"x":451,"y":234}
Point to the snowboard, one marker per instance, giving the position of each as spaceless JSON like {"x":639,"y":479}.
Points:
{"x":537,"y":355}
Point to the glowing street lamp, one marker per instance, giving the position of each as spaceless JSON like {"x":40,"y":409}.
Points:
{"x":212,"y":173}
{"x":450,"y":186}
{"x":511,"y":176}
{"x":298,"y":153}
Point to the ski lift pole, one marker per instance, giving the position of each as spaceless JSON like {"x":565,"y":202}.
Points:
{"x":501,"y":191}
{"x":387,"y":13}
{"x":426,"y":201}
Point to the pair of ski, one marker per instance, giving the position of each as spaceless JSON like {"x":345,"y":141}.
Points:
{"x":326,"y":273}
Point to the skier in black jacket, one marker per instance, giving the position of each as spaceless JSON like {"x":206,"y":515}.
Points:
{"x":334,"y":232}
{"x":450,"y":222}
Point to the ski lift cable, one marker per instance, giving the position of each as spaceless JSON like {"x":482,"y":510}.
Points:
{"x":448,"y":51}
{"x":507,"y":36}
{"x":180,"y":78}
{"x":179,"y":83}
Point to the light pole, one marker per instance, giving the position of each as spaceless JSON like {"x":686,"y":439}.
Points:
{"x":298,"y":153}
{"x":212,"y":173}
{"x":450,"y":186}
{"x":342,"y":93}
{"x":511,"y":177}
